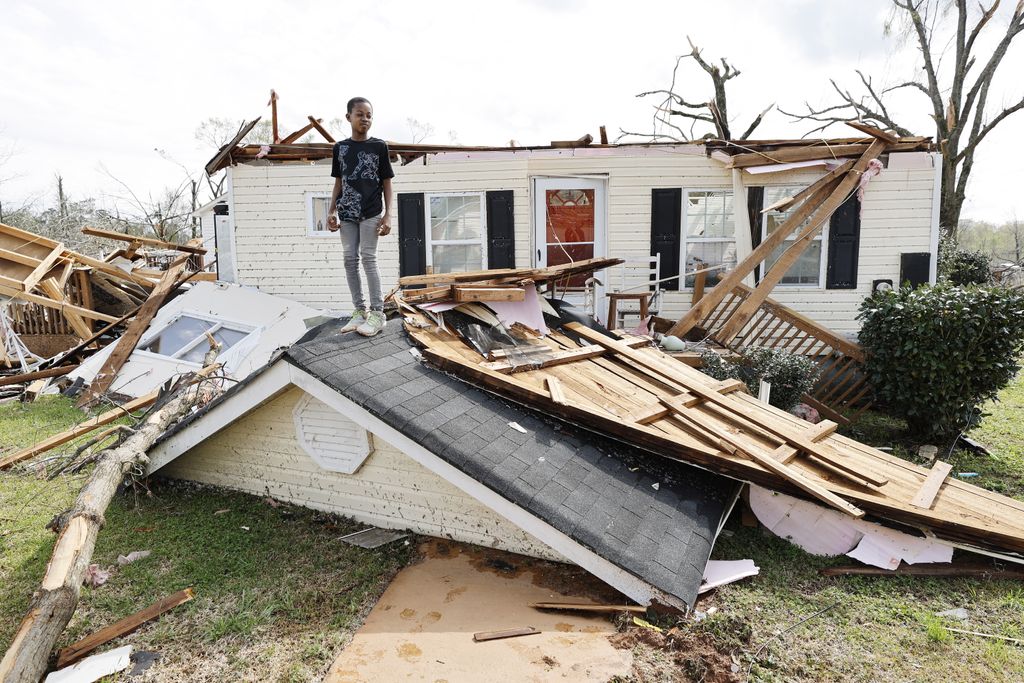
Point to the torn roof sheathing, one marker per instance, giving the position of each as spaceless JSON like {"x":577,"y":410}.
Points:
{"x":739,"y":153}
{"x":629,"y":390}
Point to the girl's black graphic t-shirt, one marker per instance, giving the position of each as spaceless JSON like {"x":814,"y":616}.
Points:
{"x":364,"y":166}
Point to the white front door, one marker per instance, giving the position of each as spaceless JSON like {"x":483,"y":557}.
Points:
{"x":569,"y":226}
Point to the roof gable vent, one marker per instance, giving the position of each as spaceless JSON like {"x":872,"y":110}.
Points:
{"x":331,"y":439}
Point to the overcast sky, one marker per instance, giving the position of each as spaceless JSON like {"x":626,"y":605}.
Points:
{"x":86,"y":86}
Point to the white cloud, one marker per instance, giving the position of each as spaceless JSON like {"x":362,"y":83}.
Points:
{"x":84,"y":84}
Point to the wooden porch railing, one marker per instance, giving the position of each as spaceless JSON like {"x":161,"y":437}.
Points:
{"x":842,"y":385}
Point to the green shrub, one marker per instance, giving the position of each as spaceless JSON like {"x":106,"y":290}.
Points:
{"x":935,"y":354}
{"x":962,"y":266}
{"x":790,"y":375}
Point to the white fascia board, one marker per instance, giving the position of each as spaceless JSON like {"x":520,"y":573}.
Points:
{"x":268,"y":384}
{"x":628,"y":584}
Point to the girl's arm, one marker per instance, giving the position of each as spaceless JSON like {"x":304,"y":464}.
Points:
{"x":332,"y":218}
{"x":384,"y":227}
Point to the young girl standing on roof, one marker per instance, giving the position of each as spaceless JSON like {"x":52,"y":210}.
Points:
{"x":362,"y":175}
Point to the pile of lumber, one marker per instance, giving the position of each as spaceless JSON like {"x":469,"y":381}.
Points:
{"x":626,"y":388}
{"x":58,"y":306}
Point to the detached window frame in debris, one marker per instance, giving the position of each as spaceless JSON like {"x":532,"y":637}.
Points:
{"x":695,"y":236}
{"x":197,"y":343}
{"x":432,"y":222}
{"x":792,"y":278}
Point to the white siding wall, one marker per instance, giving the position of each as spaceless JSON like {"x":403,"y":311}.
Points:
{"x":275,"y":253}
{"x":260,"y":454}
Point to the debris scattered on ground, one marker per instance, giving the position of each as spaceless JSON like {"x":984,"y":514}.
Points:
{"x":142,"y":660}
{"x":586,"y":607}
{"x":643,"y":623}
{"x":518,"y":427}
{"x":1015,"y":641}
{"x":94,"y":668}
{"x":507,"y":633}
{"x":133,"y":556}
{"x":981,"y":571}
{"x":959,"y":613}
{"x":373,"y":537}
{"x":720,"y":572}
{"x":928,"y":453}
{"x":95,"y":576}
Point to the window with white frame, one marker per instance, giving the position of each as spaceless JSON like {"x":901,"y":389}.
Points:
{"x":456,"y":232}
{"x":184,"y":338}
{"x":807,"y":271}
{"x":709,"y":234}
{"x":318,"y":208}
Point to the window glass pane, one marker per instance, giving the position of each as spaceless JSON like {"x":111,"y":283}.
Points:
{"x":709,"y":214}
{"x":773,"y":219}
{"x":226,"y":336}
{"x":701,"y":255}
{"x":455,"y":258}
{"x":178,"y":334}
{"x":807,"y":268}
{"x":455,"y":218}
{"x":320,"y":213}
{"x":570,"y":216}
{"x":570,"y":253}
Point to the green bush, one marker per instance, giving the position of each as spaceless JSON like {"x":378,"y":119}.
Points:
{"x":790,"y":375}
{"x":935,"y":354}
{"x":962,"y":266}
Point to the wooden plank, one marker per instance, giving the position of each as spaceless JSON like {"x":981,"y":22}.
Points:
{"x":874,"y":132}
{"x":466,"y":294}
{"x":36,"y":374}
{"x":40,"y":271}
{"x":298,"y":134}
{"x":507,"y":633}
{"x":151,"y":241}
{"x":17,"y":293}
{"x":536,"y":274}
{"x":586,"y":607}
{"x":925,"y":496}
{"x":21,"y":259}
{"x":800,"y":244}
{"x":555,"y":390}
{"x":78,"y":324}
{"x":822,"y":430}
{"x":320,"y":129}
{"x":802,"y":195}
{"x":136,"y":328}
{"x":979,"y":571}
{"x":556,"y":358}
{"x":792,"y":437}
{"x":74,"y":652}
{"x":223,"y":156}
{"x":767,"y":461}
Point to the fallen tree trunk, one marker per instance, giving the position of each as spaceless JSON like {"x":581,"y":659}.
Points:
{"x":54,"y":603}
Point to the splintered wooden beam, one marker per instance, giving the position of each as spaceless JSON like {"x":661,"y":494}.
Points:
{"x":73,"y":653}
{"x":297,"y":134}
{"x":546,"y":360}
{"x":466,"y":294}
{"x":874,"y":132}
{"x":64,"y":307}
{"x":925,"y":496}
{"x":555,"y":390}
{"x":820,"y":452}
{"x":320,"y":129}
{"x":136,"y":328}
{"x":508,"y":633}
{"x":78,"y":324}
{"x":40,"y":271}
{"x":785,"y":203}
{"x":799,"y":244}
{"x":151,"y":241}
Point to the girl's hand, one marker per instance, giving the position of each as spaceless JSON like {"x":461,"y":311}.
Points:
{"x":384,"y":226}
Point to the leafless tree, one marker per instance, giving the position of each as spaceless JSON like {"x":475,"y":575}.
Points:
{"x":714,"y":111}
{"x":419,"y":130}
{"x":166,"y":216}
{"x":956,"y":91}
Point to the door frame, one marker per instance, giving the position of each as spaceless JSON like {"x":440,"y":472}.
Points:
{"x":538,"y":217}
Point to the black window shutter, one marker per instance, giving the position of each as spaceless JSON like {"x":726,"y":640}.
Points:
{"x":412,"y":235}
{"x":843,"y":246}
{"x":915,"y":268}
{"x":755,"y":202}
{"x":666,"y":222}
{"x":501,"y":237}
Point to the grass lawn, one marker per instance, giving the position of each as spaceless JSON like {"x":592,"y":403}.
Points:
{"x":277,"y":595}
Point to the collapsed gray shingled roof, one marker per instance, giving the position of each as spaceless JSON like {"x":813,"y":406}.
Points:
{"x":653,"y":517}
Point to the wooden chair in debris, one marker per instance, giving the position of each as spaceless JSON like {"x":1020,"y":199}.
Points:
{"x":638,"y":286}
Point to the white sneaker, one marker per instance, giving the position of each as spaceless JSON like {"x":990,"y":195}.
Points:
{"x":358,"y":319}
{"x":374,"y":324}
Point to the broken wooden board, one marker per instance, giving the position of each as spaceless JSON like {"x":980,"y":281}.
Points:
{"x":621,"y":394}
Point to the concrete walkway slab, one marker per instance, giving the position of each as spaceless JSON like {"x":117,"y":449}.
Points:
{"x":422,"y":628}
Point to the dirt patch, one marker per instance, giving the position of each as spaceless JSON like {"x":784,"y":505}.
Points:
{"x":693,"y":656}
{"x":553,"y":576}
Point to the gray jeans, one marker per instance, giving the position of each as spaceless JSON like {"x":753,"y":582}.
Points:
{"x":359,"y":243}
